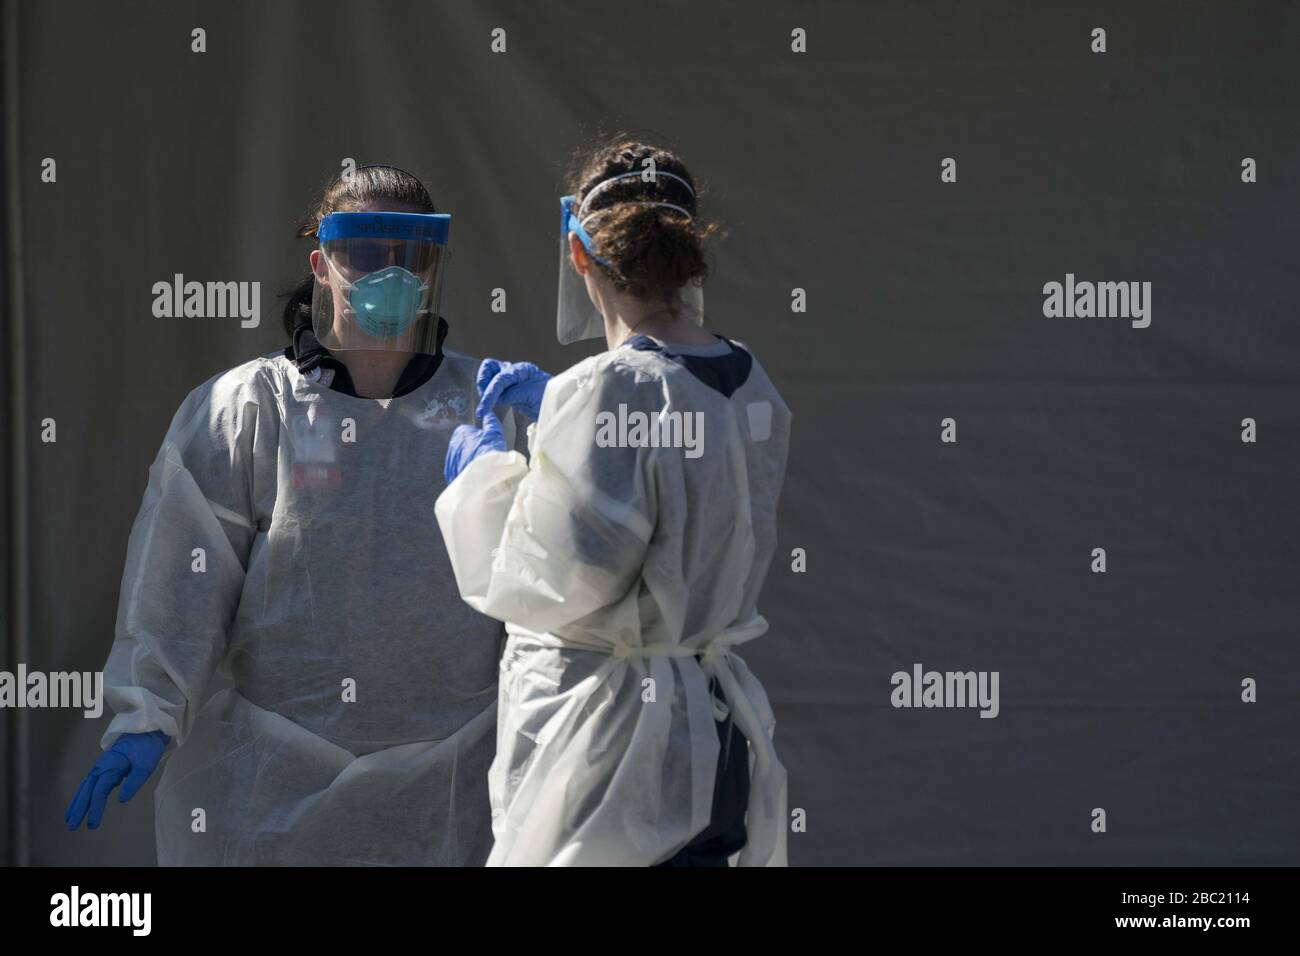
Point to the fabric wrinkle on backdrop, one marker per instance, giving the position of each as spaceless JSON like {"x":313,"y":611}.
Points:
{"x":924,"y":302}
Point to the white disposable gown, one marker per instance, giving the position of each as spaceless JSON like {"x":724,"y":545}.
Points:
{"x":286,"y":542}
{"x":626,"y":576}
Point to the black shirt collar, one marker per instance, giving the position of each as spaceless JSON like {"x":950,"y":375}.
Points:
{"x":305,"y":351}
{"x":722,"y":373}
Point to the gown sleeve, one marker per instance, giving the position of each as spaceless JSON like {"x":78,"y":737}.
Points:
{"x":186,"y":558}
{"x":544,"y":543}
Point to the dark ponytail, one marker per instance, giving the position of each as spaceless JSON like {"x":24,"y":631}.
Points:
{"x":388,"y":185}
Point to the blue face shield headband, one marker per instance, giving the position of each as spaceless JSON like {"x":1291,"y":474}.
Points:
{"x":570,"y":223}
{"x":573,"y":218}
{"x":388,"y":266}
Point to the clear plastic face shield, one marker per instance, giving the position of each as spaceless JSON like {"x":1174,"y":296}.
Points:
{"x":379,"y":280}
{"x":577,"y":317}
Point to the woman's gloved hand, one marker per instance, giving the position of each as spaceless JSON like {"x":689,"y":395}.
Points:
{"x":517,"y":384}
{"x":133,"y":758}
{"x":470,"y":441}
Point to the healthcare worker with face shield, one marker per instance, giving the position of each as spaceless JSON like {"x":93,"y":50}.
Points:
{"x":626,"y":557}
{"x":284,"y":546}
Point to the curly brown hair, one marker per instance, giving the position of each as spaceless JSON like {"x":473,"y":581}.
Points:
{"x":652,"y":251}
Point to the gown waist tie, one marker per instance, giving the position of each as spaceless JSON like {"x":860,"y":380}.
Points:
{"x":715,"y":658}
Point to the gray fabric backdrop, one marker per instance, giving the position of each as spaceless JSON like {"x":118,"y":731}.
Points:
{"x":924,"y":301}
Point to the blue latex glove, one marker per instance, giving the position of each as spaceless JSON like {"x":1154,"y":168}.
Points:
{"x":470,"y":441}
{"x":517,"y":384}
{"x":133,"y":758}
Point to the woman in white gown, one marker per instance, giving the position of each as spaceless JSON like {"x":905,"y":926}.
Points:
{"x":627,"y":555}
{"x":284,"y":543}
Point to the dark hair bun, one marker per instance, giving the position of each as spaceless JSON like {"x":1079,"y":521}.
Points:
{"x":653,"y":250}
